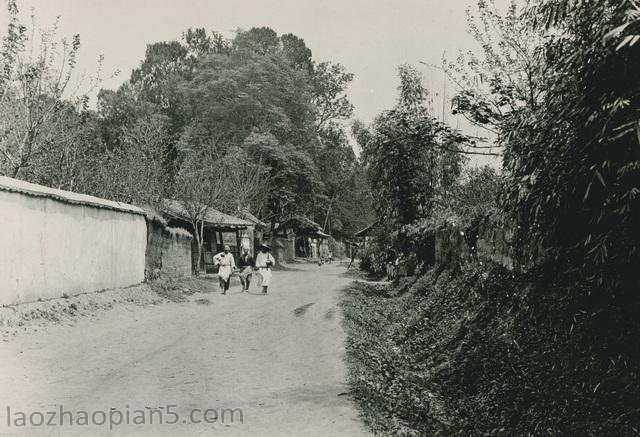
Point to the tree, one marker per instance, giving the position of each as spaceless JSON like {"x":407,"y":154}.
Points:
{"x":297,"y":52}
{"x":118,"y":110}
{"x":505,"y":78}
{"x":249,"y":182}
{"x":197,"y":41}
{"x":65,"y":159}
{"x":33,"y":83}
{"x":573,"y":160}
{"x":410,"y":156}
{"x":164,"y":62}
{"x":338,"y":169}
{"x":199,"y":185}
{"x":329,"y":83}
{"x":230,"y":96}
{"x":258,"y":40}
{"x":352,"y":210}
{"x":295,"y":183}
{"x":205,"y":181}
{"x":135,"y":171}
{"x":259,"y":97}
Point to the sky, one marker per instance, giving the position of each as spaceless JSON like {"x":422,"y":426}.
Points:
{"x":369,"y":37}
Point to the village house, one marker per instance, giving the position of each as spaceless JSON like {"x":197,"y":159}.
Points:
{"x":364,"y":236}
{"x":299,"y":237}
{"x":259,"y":226}
{"x":220,"y":229}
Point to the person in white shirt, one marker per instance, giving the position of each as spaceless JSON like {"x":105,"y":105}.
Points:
{"x":264,"y":262}
{"x":226,"y":264}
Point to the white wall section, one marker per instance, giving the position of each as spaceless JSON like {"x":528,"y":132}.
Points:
{"x":54,"y":242}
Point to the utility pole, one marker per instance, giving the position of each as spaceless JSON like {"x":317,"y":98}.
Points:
{"x":444,"y":88}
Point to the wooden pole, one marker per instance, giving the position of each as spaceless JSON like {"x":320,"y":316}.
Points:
{"x":238,"y":242}
{"x":326,"y":219}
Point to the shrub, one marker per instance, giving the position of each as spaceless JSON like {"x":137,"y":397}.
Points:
{"x":487,"y":352}
{"x":373,"y":259}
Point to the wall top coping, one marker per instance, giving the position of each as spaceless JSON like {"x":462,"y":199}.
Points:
{"x":27,"y":188}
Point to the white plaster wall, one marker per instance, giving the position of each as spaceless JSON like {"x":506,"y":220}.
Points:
{"x":49,"y":247}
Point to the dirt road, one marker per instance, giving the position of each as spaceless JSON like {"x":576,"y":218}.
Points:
{"x":278,"y":358}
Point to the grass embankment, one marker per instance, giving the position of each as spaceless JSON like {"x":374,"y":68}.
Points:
{"x":484,"y":353}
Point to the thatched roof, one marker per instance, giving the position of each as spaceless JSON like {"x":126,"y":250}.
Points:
{"x":175,"y":208}
{"x":252,"y":218}
{"x":366,"y":231}
{"x":153,"y":215}
{"x":304,"y":226}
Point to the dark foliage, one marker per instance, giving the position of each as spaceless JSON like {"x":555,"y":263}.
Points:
{"x":551,"y":348}
{"x":574,"y":158}
{"x":411,"y":159}
{"x":480,"y":353}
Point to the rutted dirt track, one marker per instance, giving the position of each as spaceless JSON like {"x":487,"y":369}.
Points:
{"x":279,"y":358}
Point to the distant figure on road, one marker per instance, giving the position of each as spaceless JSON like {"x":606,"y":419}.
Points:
{"x":354,"y":252}
{"x":246,"y":263}
{"x":264,"y":261}
{"x":226,"y":265}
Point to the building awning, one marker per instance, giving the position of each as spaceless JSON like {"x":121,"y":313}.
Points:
{"x":253,"y":219}
{"x":213,"y":217}
{"x":366,"y":231}
{"x":304,"y":226}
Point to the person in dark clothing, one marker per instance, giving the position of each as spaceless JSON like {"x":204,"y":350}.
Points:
{"x":246,"y":264}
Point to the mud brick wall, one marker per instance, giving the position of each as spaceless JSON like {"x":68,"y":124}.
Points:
{"x":284,"y":249}
{"x":168,"y":252}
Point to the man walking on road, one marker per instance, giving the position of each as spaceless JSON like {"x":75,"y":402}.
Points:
{"x":246,"y":265}
{"x":264,"y":261}
{"x":226,"y":264}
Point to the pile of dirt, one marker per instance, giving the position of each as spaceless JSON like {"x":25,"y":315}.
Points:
{"x":34,"y":315}
{"x":484,"y":352}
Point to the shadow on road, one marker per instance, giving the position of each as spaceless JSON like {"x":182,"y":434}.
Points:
{"x":301,"y":310}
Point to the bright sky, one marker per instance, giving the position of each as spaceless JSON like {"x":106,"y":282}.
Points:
{"x":370,"y":37}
